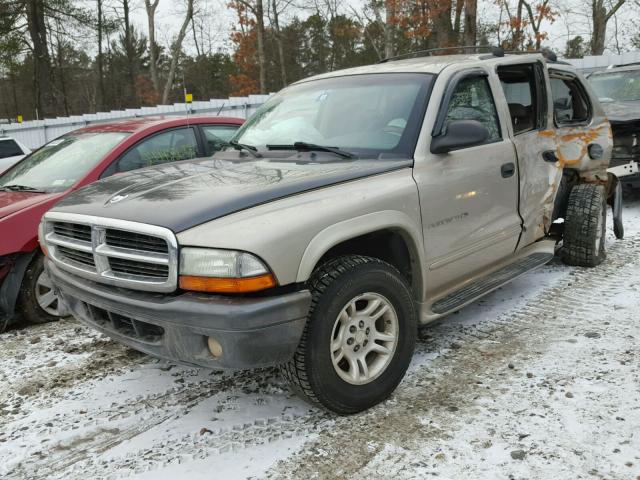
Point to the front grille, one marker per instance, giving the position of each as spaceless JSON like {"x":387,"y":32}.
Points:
{"x":78,"y":256}
{"x":131,"y":267}
{"x":135,"y":241}
{"x":73,"y":230}
{"x":127,"y":326}
{"x":116,"y":252}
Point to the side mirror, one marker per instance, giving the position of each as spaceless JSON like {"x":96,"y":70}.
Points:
{"x":459,"y":134}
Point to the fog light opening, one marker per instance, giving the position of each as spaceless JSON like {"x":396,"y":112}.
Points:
{"x":214,"y":347}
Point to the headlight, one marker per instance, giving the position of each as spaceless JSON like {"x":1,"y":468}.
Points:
{"x":223,"y":271}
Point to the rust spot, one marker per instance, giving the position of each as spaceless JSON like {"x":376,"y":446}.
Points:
{"x":547,"y":133}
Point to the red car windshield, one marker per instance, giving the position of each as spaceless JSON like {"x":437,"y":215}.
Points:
{"x":61,"y":163}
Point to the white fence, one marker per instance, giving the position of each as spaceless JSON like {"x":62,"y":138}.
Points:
{"x":36,"y":133}
{"x":599,"y":62}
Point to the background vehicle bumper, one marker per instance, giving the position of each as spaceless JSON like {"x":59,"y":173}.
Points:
{"x":253,"y":332}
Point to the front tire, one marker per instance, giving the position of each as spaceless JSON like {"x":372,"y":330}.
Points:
{"x":37,"y":300}
{"x":585,"y":226}
{"x":359,"y":337}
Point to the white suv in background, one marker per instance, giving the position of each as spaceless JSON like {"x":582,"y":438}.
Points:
{"x":11,"y":152}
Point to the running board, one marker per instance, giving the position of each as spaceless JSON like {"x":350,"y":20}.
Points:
{"x":484,"y":285}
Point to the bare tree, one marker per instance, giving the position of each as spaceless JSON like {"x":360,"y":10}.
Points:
{"x":43,"y":81}
{"x":99,"y":57}
{"x":153,"y":47}
{"x":470,"y":22}
{"x":276,"y":9}
{"x":175,"y":51}
{"x":600,"y":16}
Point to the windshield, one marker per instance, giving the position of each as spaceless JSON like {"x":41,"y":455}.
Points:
{"x":617,"y":86}
{"x":368,"y":115}
{"x":62,"y":162}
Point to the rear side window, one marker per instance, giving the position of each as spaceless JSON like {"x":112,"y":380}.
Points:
{"x":9,"y":148}
{"x":217,"y":136}
{"x":169,"y":146}
{"x":570,"y":102}
{"x":472,"y":100}
{"x":524,"y":96}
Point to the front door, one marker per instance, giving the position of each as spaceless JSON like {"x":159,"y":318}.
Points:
{"x":525,"y":86}
{"x":468,"y":197}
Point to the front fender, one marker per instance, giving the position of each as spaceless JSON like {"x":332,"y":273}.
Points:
{"x":345,"y":230}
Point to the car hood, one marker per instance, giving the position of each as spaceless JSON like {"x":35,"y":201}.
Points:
{"x":182,"y":195}
{"x":12,"y":202}
{"x":622,"y":112}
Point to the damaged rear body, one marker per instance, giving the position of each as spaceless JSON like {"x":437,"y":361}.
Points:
{"x":618,"y":89}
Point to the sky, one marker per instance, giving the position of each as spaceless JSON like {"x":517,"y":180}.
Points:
{"x":217,"y":27}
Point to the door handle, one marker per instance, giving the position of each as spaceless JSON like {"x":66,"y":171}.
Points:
{"x":549,"y":156}
{"x":507,"y":170}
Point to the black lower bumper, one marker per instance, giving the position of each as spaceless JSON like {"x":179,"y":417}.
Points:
{"x":253,"y":332}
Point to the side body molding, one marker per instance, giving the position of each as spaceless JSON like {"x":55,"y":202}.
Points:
{"x":369,"y":223}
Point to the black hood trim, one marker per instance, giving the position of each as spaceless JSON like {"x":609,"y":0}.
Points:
{"x":212,"y":202}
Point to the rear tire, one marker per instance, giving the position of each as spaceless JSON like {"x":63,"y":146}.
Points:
{"x":359,"y":337}
{"x":585,"y":226}
{"x":37,"y":301}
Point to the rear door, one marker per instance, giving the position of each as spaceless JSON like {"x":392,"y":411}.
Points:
{"x":583,"y":132}
{"x":468,"y":197}
{"x":525,"y":87}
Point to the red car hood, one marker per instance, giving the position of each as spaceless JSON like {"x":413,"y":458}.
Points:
{"x":11,"y":202}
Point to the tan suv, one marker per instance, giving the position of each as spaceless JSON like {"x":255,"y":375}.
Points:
{"x":350,"y":208}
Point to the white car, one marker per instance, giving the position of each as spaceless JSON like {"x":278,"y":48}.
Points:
{"x":11,"y":152}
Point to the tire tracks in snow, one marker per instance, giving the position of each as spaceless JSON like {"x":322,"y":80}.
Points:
{"x":427,"y":404}
{"x":435,"y":398}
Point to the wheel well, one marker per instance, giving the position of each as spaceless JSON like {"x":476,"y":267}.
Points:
{"x":387,"y":245}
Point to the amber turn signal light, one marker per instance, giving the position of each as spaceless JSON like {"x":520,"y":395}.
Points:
{"x":227,"y":285}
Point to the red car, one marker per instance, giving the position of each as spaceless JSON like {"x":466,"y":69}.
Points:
{"x":36,"y":183}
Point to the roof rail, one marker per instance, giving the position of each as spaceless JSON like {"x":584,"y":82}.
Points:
{"x":549,"y":55}
{"x":495,"y":52}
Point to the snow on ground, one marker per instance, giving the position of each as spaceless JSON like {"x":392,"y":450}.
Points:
{"x":538,"y":380}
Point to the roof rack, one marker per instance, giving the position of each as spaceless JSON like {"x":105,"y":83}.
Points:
{"x":495,"y":52}
{"x":549,"y":55}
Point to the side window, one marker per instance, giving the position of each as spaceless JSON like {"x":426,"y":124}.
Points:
{"x":472,"y":100}
{"x":570,"y":104}
{"x":522,"y":95}
{"x":217,"y":136}
{"x":9,"y":148}
{"x":170,"y":146}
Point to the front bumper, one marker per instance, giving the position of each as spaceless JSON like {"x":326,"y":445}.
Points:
{"x":253,"y":332}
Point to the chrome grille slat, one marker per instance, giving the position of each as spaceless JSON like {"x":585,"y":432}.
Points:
{"x":134,"y":255}
{"x":77,"y":231}
{"x":77,"y":256}
{"x":138,"y":268}
{"x":69,"y":242}
{"x":116,"y":252}
{"x":135,"y":241}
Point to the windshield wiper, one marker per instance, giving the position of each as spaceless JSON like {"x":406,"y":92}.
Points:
{"x":309,"y":147}
{"x":247,"y":148}
{"x":21,"y":188}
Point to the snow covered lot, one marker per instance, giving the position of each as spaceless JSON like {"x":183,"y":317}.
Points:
{"x":540,"y":380}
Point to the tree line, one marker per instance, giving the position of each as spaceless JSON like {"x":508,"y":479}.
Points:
{"x":65,"y":57}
